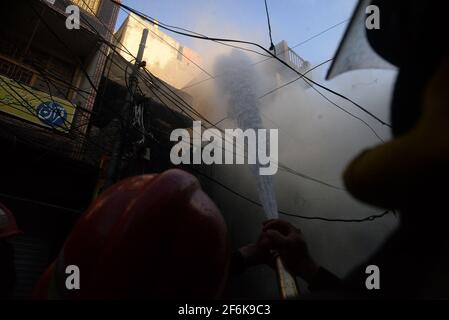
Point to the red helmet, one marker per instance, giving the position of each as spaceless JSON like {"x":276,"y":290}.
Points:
{"x":8,"y":226}
{"x":154,"y":236}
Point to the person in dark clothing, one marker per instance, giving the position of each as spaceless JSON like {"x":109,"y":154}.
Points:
{"x":8,"y":229}
{"x":406,"y":173}
{"x":7,"y":269}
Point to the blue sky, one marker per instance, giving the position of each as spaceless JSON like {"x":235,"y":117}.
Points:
{"x":291,"y":20}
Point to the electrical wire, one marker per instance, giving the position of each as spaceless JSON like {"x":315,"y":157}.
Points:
{"x":40,"y":203}
{"x":326,"y":98}
{"x":193,"y":32}
{"x":242,"y":196}
{"x":307,"y":40}
{"x":289,"y":170}
{"x":302,"y":75}
{"x":174,"y":48}
{"x":31,"y":110}
{"x":179,"y":100}
{"x":304,"y":217}
{"x":278,"y":53}
{"x":272,"y":46}
{"x":370,"y":218}
{"x":203,"y":37}
{"x":80,"y":62}
{"x":294,"y":80}
{"x":282,"y":167}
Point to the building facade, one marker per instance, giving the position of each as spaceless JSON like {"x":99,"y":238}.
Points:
{"x":49,"y":76}
{"x":165,"y":58}
{"x":49,"y":73}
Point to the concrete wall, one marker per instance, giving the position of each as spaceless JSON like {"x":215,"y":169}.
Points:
{"x":165,"y":57}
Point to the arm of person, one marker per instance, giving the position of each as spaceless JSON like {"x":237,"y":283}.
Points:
{"x":242,"y":259}
{"x":248,"y":256}
{"x":393,"y":173}
{"x":291,"y":245}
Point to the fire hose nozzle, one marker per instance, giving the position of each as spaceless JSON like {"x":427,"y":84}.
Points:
{"x":288,"y":286}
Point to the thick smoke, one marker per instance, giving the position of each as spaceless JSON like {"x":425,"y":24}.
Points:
{"x":315,"y":138}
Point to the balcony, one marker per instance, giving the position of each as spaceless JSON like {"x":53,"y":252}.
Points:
{"x":285,"y":53}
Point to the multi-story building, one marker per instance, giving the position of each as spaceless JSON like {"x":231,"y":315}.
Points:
{"x":49,"y":73}
{"x":165,"y":57}
{"x":160,"y":103}
{"x":48,"y":79}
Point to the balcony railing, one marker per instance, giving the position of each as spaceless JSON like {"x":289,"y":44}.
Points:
{"x":288,"y":55}
{"x":296,"y":60}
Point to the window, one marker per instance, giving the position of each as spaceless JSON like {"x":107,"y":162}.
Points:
{"x":15,"y":72}
{"x":90,"y":6}
{"x":56,"y":82}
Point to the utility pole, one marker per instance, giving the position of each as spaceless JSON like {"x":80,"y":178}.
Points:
{"x":117,"y":154}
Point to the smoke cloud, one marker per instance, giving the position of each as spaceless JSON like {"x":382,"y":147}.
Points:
{"x":315,"y":138}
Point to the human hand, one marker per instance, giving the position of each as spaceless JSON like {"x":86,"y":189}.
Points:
{"x":257,"y":253}
{"x":289,"y":242}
